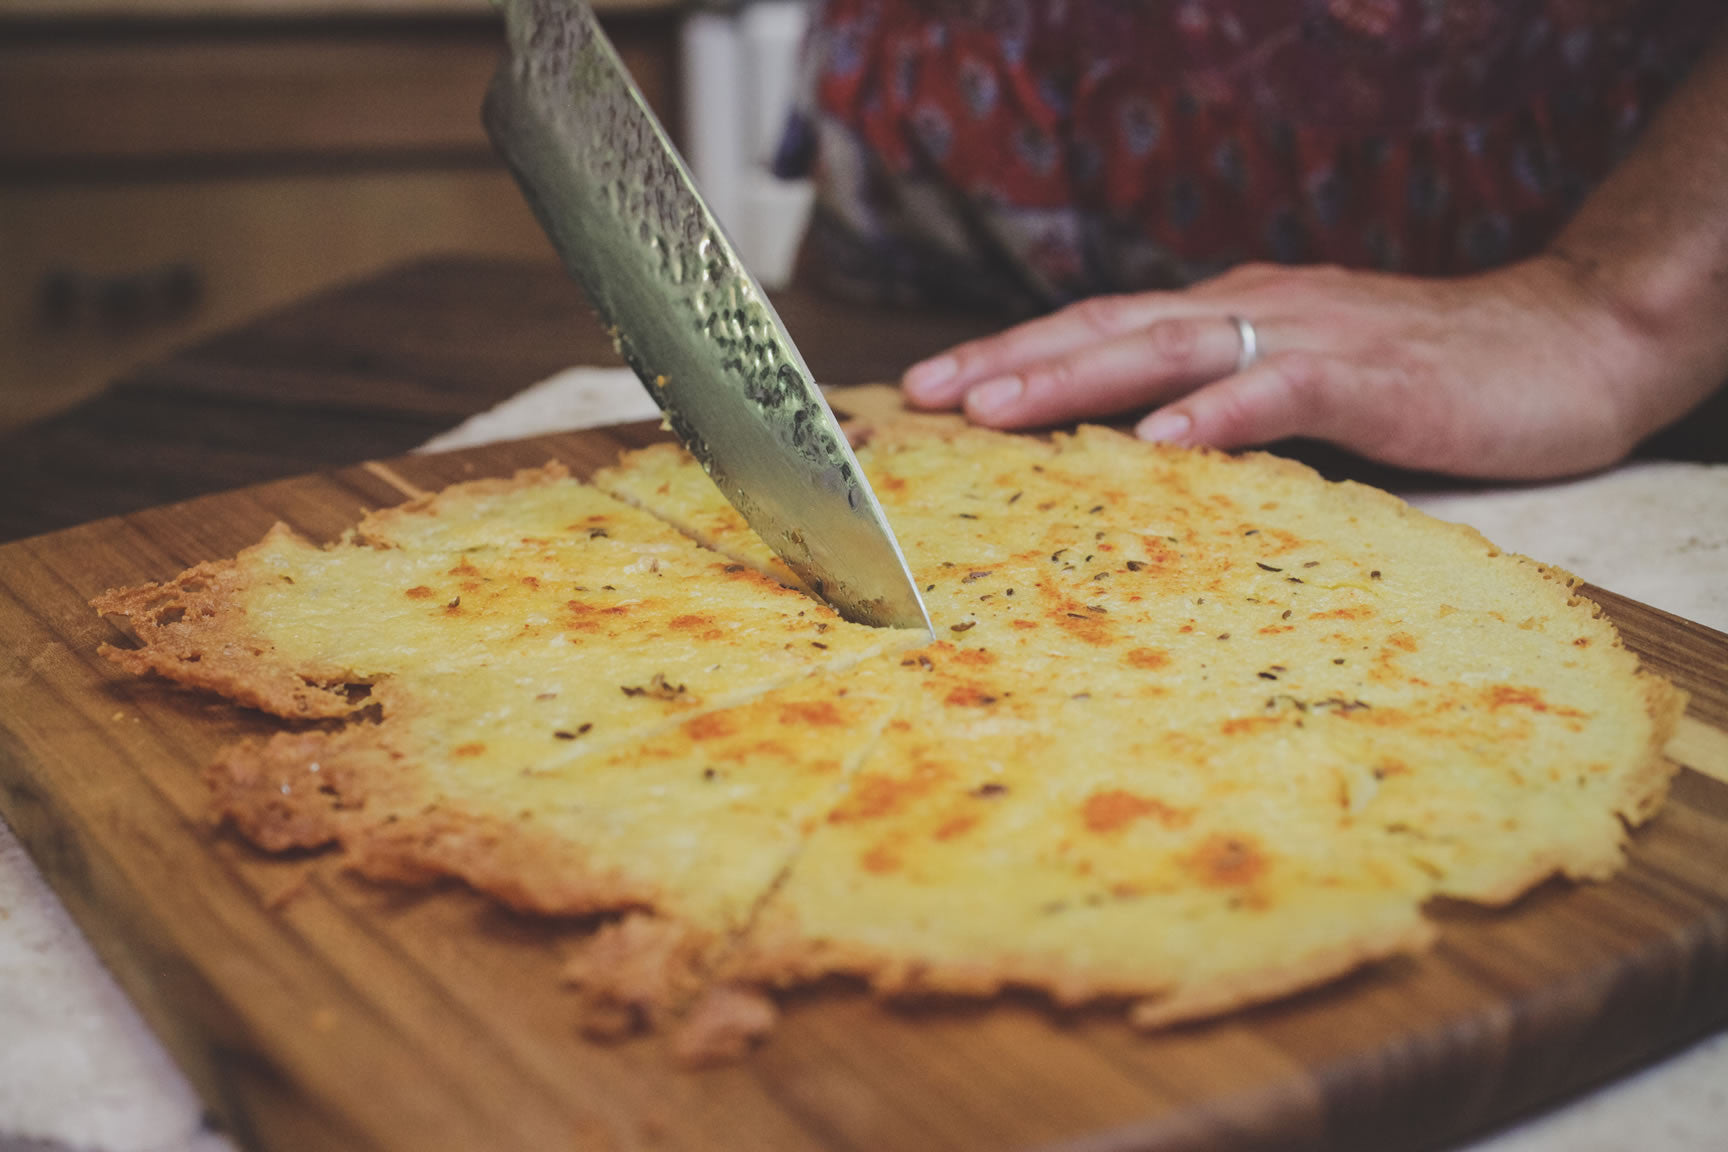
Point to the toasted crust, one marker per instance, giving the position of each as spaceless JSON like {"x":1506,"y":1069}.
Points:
{"x":1196,"y":730}
{"x":193,"y":630}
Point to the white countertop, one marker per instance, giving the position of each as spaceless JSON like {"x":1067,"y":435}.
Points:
{"x":80,"y":1071}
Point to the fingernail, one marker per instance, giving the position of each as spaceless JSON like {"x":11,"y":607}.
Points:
{"x":992,"y":396}
{"x":927,"y":375}
{"x":1165,"y":427}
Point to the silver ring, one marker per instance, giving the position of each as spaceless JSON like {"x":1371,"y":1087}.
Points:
{"x":1250,"y":343}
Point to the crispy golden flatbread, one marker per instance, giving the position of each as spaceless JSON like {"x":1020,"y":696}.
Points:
{"x":1196,"y":729}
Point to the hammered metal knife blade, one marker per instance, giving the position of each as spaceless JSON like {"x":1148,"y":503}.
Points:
{"x":624,"y":214}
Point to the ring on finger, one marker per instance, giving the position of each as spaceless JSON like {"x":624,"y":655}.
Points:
{"x":1249,"y":342}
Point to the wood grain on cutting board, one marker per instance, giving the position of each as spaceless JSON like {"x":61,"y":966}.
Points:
{"x":315,"y":1010}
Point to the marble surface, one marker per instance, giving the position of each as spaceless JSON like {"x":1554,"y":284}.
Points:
{"x":80,"y":1071}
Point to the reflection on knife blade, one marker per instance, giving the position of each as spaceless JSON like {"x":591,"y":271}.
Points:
{"x":625,"y":216}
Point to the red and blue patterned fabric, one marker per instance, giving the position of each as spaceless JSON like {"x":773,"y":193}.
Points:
{"x":1022,"y":153}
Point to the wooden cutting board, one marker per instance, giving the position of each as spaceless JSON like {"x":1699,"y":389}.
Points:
{"x":317,"y":1011}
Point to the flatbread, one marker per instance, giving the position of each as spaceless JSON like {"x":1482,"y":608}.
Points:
{"x":1196,"y":730}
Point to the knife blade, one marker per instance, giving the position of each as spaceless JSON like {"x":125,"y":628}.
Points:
{"x":624,"y":215}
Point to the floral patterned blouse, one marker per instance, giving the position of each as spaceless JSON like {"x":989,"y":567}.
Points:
{"x":1021,"y":153}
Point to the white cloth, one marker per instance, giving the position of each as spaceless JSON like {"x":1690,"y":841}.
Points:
{"x":575,"y":398}
{"x":78,"y":1067}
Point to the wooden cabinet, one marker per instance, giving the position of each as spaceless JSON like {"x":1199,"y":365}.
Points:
{"x":180,"y":169}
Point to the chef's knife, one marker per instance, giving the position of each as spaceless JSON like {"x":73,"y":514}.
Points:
{"x":625,"y":216}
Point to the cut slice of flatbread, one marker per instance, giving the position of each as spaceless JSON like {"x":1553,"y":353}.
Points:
{"x":661,"y":479}
{"x":529,"y":607}
{"x":1068,"y":846}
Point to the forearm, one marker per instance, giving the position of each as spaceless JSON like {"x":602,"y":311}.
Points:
{"x":1652,"y":243}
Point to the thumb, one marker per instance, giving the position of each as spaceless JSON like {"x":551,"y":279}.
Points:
{"x":1287,"y":394}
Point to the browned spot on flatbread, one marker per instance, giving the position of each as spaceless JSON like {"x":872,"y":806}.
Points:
{"x":1089,"y":623}
{"x":1243,"y":725}
{"x":969,"y":696}
{"x":880,"y":860}
{"x":1114,"y":809}
{"x":1225,"y":861}
{"x":1150,"y":658}
{"x":710,"y":726}
{"x":1161,"y":559}
{"x":817,"y":713}
{"x":582,"y":616}
{"x":1499,"y":696}
{"x":956,"y":826}
{"x":876,"y":794}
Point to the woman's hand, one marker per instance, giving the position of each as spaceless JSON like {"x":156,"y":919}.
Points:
{"x":1524,"y":372}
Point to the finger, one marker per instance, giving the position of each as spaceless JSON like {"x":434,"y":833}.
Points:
{"x":943,"y":380}
{"x":1290,"y":394}
{"x":1145,"y":367}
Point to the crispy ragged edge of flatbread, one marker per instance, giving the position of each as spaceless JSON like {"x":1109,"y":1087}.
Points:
{"x":642,"y":967}
{"x":190,"y":630}
{"x":363,"y":791}
{"x":646,"y":972}
{"x":636,"y":970}
{"x":310,"y":790}
{"x":313,"y":790}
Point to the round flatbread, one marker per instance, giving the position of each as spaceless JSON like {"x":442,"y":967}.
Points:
{"x":1195,"y":729}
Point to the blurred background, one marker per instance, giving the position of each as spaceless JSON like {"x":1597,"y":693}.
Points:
{"x":173,"y":167}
